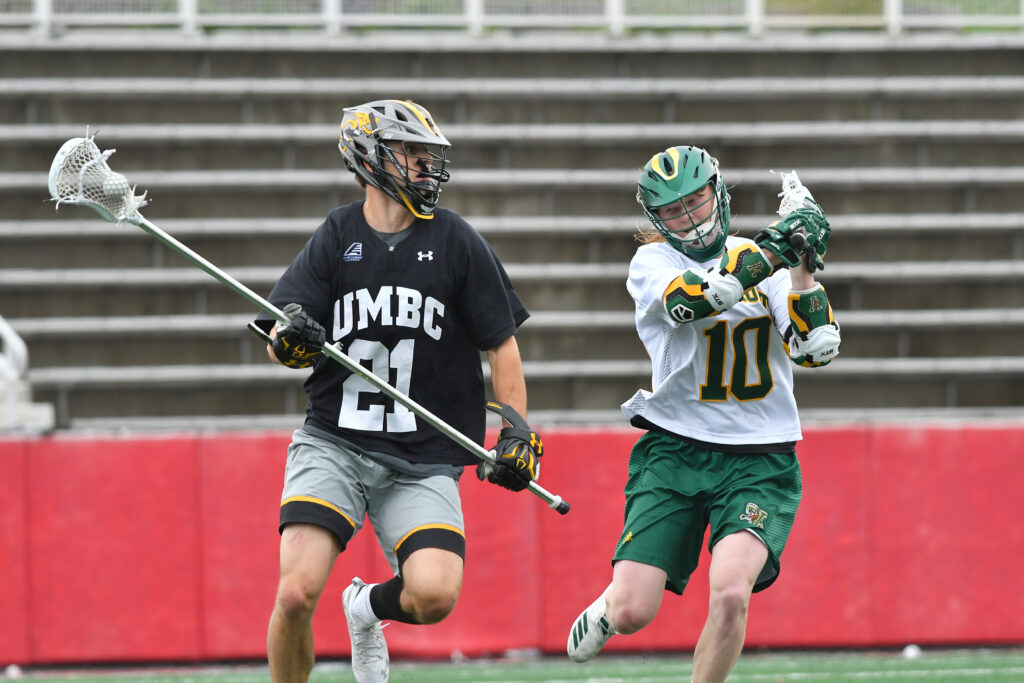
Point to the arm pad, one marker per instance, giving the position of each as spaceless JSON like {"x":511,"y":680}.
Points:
{"x":699,"y":294}
{"x":814,"y":337}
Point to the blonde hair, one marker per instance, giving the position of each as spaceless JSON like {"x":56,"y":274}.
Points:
{"x":646,"y":234}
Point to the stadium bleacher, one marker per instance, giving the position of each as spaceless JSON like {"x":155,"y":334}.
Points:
{"x":913,"y":147}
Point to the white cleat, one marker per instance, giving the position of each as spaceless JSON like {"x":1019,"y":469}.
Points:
{"x":590,"y":632}
{"x":370,"y":663}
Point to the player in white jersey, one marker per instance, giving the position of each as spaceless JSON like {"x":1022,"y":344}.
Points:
{"x":722,"y":317}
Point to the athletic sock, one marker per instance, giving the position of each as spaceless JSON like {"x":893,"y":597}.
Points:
{"x":361,"y":610}
{"x":386,"y":604}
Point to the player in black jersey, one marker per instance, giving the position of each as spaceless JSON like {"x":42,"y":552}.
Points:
{"x":414,"y":294}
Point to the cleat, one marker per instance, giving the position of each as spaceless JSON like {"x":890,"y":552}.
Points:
{"x":589,"y":632}
{"x":369,"y":649}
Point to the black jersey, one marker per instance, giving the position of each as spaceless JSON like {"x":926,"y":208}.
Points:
{"x":417,"y":315}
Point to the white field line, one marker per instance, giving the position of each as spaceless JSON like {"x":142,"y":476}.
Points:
{"x":983,"y":674}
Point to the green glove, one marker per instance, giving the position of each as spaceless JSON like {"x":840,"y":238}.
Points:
{"x":783,"y":238}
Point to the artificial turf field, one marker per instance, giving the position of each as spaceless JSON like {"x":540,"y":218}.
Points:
{"x":947,"y":666}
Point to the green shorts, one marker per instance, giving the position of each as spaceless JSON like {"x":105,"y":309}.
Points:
{"x":677,"y":490}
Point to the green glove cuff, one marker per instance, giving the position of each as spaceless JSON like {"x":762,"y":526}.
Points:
{"x":685,"y":300}
{"x":809,"y":309}
{"x":747,"y":264}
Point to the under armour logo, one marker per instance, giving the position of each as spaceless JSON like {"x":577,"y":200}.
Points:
{"x":425,"y":255}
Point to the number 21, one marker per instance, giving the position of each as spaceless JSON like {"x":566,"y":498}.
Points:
{"x":381,"y":363}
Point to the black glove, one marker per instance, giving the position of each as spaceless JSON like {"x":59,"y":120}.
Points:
{"x":518,"y":452}
{"x":299,"y":341}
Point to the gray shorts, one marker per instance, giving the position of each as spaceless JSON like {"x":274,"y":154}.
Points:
{"x":335,"y":487}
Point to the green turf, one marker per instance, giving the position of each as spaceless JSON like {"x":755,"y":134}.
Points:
{"x":949,"y":666}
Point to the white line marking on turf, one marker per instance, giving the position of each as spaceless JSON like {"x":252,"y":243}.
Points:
{"x":916,"y":673}
{"x":985,"y":673}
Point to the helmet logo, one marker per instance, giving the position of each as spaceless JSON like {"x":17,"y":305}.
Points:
{"x":361,"y":120}
{"x":666,"y":163}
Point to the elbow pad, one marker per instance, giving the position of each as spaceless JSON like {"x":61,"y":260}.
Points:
{"x":814,"y":337}
{"x":696,"y":294}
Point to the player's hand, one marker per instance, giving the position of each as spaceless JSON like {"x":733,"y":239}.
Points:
{"x":782,"y":238}
{"x":518,"y":452}
{"x":299,"y":341}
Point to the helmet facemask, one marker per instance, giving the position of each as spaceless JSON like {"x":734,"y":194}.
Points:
{"x":399,"y":160}
{"x":386,"y":143}
{"x":679,"y":225}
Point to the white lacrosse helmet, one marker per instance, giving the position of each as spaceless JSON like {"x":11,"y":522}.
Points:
{"x":366,"y":131}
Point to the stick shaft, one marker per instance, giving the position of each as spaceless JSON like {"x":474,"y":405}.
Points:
{"x":334,"y":352}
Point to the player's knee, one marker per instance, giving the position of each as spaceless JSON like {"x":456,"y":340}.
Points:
{"x":295,"y":602}
{"x":730,"y":602}
{"x":431,"y":606}
{"x":629,"y":616}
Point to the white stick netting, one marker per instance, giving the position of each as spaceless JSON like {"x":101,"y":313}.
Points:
{"x":794,"y":195}
{"x":80,"y":175}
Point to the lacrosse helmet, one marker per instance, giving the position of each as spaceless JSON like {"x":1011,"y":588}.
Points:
{"x":669,"y":177}
{"x":373,"y":133}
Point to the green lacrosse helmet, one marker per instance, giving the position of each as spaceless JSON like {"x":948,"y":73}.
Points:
{"x":669,"y":177}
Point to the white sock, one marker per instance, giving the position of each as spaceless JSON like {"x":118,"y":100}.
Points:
{"x":361,"y":610}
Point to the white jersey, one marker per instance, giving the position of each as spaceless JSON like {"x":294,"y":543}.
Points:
{"x":724,"y":379}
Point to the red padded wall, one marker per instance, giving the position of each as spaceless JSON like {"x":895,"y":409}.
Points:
{"x":239,"y":485}
{"x":14,"y":560}
{"x":113,"y":546}
{"x":147,"y":549}
{"x":946,"y":539}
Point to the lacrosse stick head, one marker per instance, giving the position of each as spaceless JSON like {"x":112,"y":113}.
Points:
{"x":80,"y":174}
{"x":794,"y":195}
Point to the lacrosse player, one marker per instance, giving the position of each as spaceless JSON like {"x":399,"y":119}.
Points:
{"x":722,"y":317}
{"x":413,"y":293}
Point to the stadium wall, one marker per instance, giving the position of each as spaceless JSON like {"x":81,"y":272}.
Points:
{"x":165,"y":549}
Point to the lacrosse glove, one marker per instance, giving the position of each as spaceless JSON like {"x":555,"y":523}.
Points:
{"x":518,"y":452}
{"x":812,"y":224}
{"x":298,"y":342}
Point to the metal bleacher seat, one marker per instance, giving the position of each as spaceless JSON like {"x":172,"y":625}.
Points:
{"x":912,"y":148}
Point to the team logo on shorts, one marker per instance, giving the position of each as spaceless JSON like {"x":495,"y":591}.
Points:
{"x":754,"y":516}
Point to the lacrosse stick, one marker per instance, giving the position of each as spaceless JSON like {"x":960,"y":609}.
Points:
{"x":795,"y":196}
{"x":80,"y":175}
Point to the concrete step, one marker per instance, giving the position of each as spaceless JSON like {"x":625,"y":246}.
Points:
{"x":547,"y":335}
{"x":546,"y":419}
{"x":545,"y":286}
{"x":306,"y":55}
{"x":94,"y":391}
{"x":533,"y":100}
{"x":782,"y":144}
{"x":561,"y":192}
{"x":76,"y":238}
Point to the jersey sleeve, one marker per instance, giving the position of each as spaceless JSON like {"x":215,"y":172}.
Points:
{"x":776,"y":288}
{"x":650,"y":274}
{"x":308,"y":279}
{"x":489,"y":306}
